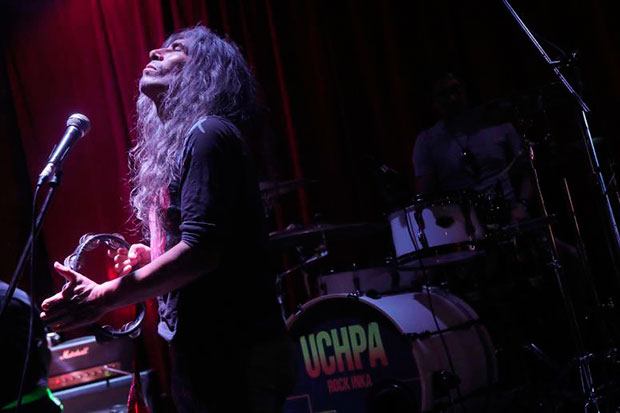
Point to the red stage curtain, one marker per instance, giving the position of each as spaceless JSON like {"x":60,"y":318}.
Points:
{"x":83,"y":56}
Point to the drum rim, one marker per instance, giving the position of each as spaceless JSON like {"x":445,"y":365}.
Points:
{"x":442,"y":251}
{"x":390,"y":267}
{"x":438,"y":200}
{"x":343,"y":296}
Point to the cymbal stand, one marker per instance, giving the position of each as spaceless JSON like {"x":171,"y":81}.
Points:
{"x":581,"y":247}
{"x":599,"y":307}
{"x":583,"y":357}
{"x":321,"y":251}
{"x":592,"y":399}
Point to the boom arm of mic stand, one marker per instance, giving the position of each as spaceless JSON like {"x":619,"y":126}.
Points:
{"x":585,"y":130}
{"x":19,"y":269}
{"x":554,"y":64}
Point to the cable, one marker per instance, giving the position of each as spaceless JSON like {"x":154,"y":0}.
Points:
{"x":435,"y":320}
{"x":32,"y":302}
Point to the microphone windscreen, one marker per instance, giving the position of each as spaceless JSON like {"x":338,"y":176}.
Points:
{"x":79,"y":121}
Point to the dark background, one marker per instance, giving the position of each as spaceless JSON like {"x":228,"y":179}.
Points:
{"x":346,"y":85}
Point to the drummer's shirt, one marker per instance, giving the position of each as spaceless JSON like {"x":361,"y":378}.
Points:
{"x":438,"y":152}
{"x":215,"y":205}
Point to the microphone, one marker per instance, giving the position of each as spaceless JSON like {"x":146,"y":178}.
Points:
{"x":78,"y":125}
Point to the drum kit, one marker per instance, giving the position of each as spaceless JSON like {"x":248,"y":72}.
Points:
{"x":400,"y":335}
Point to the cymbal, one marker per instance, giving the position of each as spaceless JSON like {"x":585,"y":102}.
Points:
{"x":291,"y":237}
{"x":272,"y":188}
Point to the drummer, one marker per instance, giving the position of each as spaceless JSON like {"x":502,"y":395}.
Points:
{"x":464,"y":151}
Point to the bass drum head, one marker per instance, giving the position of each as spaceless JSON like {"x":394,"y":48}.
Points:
{"x":358,"y":354}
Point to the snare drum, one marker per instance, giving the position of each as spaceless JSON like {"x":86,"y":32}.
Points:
{"x":409,"y":352}
{"x":435,"y":232}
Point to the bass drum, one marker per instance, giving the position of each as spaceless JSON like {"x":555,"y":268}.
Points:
{"x":359,"y":354}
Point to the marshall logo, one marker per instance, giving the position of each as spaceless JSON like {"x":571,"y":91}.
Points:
{"x":343,"y":349}
{"x":70,"y":354}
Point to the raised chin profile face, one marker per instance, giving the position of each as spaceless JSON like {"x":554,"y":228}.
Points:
{"x":165,"y":61}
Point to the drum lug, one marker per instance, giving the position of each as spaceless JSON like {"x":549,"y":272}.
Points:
{"x":298,"y":309}
{"x":555,"y":264}
{"x":443,"y":381}
{"x":355,"y":294}
{"x":422,"y":239}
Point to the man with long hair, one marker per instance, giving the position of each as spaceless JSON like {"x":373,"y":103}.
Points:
{"x":197,"y":197}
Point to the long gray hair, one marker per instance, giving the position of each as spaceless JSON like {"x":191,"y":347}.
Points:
{"x":215,"y":80}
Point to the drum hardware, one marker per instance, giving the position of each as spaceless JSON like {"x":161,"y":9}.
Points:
{"x":443,"y":382}
{"x":421,"y":227}
{"x":588,"y":388}
{"x":320,"y":252}
{"x":541,"y":356}
{"x":494,"y":204}
{"x":392,"y":393}
{"x":426,"y":334}
{"x":453,"y":373}
{"x":354,"y":295}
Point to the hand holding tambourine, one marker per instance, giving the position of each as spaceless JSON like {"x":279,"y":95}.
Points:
{"x":82,"y":301}
{"x":127,"y":260}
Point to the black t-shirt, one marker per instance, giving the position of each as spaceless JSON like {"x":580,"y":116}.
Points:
{"x":216,"y":205}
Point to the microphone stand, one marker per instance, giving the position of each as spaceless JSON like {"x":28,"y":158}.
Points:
{"x":53,"y":183}
{"x":591,"y":397}
{"x":585,"y":131}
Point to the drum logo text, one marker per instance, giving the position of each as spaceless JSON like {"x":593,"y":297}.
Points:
{"x":342,"y":349}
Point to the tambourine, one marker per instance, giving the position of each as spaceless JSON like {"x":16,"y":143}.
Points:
{"x":75,"y":261}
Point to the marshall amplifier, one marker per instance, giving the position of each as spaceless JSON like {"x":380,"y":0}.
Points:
{"x":83,"y":360}
{"x":109,"y":396}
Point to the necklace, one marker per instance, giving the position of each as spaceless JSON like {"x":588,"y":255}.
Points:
{"x":469,"y":160}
